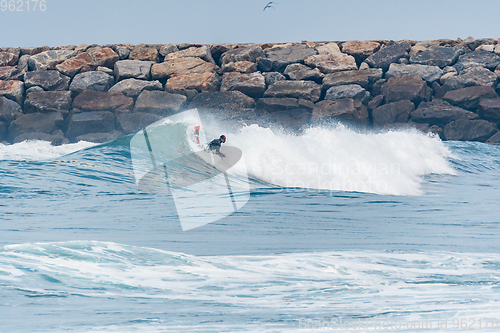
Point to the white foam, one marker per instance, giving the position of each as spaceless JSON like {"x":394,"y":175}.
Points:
{"x":36,"y":150}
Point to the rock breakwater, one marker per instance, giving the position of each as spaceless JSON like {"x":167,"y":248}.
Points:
{"x":100,"y":92}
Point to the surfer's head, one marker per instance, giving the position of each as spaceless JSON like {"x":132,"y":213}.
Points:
{"x":222,"y":138}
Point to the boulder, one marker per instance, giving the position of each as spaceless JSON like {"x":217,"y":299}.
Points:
{"x":106,"y":70}
{"x":375,"y":102}
{"x":97,"y":80}
{"x":353,"y":91}
{"x":397,"y":112}
{"x":489,"y":109}
{"x":360,"y":50}
{"x":56,"y":139}
{"x":200,"y":82}
{"x":218,"y":49}
{"x":8,"y":58}
{"x":264,"y":65}
{"x":240,"y":66}
{"x":122,"y":51}
{"x":480,"y":58}
{"x":294,"y":89}
{"x":331,"y":63}
{"x":33,"y":50}
{"x":344,"y":110}
{"x":281,"y":57}
{"x":48,"y":101}
{"x":13,"y":90}
{"x":48,"y":80}
{"x":167,"y":49}
{"x":9,"y":110}
{"x":440,"y":113}
{"x":224,"y":101}
{"x":253,"y":84}
{"x":144,"y":53}
{"x":133,"y":122}
{"x":273,"y":77}
{"x":34,"y":89}
{"x":6,"y":72}
{"x":81,"y":123}
{"x":302,"y":72}
{"x":202,"y":52}
{"x":3,"y":130}
{"x":48,"y":59}
{"x":270,"y":105}
{"x":399,"y":88}
{"x":364,"y":78}
{"x":468,"y":98}
{"x":250,"y":54}
{"x":470,"y":130}
{"x":36,"y":122}
{"x":495,"y":139}
{"x":388,"y":55}
{"x":103,"y":56}
{"x":474,"y":76}
{"x":435,"y":55}
{"x":99,"y":137}
{"x":328,"y":48}
{"x":181,"y":66}
{"x":288,"y":112}
{"x":91,"y":100}
{"x":159,"y":102}
{"x":135,"y":69}
{"x":427,"y":73}
{"x":80,"y":63}
{"x":134,"y":87}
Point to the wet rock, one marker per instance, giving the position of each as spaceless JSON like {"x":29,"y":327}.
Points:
{"x":440,"y":113}
{"x":288,"y":112}
{"x":364,"y":78}
{"x":181,"y":66}
{"x":48,"y":59}
{"x":144,"y":53}
{"x":135,"y":69}
{"x":399,"y":88}
{"x":302,"y":72}
{"x":294,"y":89}
{"x":397,"y":112}
{"x":159,"y":102}
{"x":200,"y":82}
{"x":252,"y":85}
{"x":331,"y":63}
{"x":99,"y":137}
{"x":48,"y":80}
{"x":388,"y":55}
{"x":8,"y":58}
{"x":468,"y":98}
{"x":202,"y":52}
{"x":250,"y":53}
{"x":98,"y":81}
{"x":103,"y":56}
{"x":440,"y":56}
{"x":353,"y":91}
{"x":9,"y":110}
{"x":134,"y":87}
{"x":91,"y":100}
{"x":344,"y":110}
{"x":48,"y":101}
{"x":240,"y":66}
{"x":470,"y":130}
{"x":273,"y":77}
{"x":489,"y":109}
{"x":328,"y":48}
{"x":427,"y":73}
{"x":494,"y":140}
{"x":36,"y":122}
{"x":481,"y":58}
{"x":284,"y":56}
{"x":82,"y":123}
{"x":167,"y":49}
{"x":13,"y":90}
{"x":56,"y":139}
{"x":133,"y":122}
{"x":226,"y":102}
{"x":360,"y":50}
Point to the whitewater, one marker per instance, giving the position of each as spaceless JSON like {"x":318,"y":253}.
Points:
{"x":340,"y":225}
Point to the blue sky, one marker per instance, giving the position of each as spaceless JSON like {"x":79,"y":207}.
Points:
{"x":67,"y":22}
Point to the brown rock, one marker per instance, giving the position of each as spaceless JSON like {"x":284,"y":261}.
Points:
{"x":48,"y":59}
{"x":200,"y":52}
{"x":303,"y":72}
{"x":181,"y":66}
{"x":294,"y":89}
{"x":73,"y":66}
{"x":364,"y":78}
{"x":250,"y":54}
{"x":410,"y":88}
{"x":470,"y":130}
{"x":468,"y":98}
{"x":397,"y":112}
{"x":253,"y":84}
{"x":48,"y":80}
{"x":105,"y":57}
{"x":328,"y":48}
{"x":346,"y":109}
{"x":48,"y":101}
{"x":13,"y":90}
{"x":201,"y":82}
{"x":6,"y":72}
{"x":489,"y":109}
{"x":331,"y":63}
{"x":144,"y":53}
{"x":440,"y":113}
{"x":360,"y":49}
{"x":8,"y":59}
{"x":240,"y":66}
{"x":82,"y":123}
{"x":159,"y":102}
{"x":91,"y":100}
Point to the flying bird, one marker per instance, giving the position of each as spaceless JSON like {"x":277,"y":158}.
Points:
{"x":269,"y":5}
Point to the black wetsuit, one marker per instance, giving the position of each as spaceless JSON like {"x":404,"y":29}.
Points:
{"x":215,"y":144}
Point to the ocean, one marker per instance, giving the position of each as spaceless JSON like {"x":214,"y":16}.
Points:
{"x":335,"y":229}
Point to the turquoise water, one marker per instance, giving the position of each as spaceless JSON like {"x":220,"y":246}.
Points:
{"x":82,"y":249}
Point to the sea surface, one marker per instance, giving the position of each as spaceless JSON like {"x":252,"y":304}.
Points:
{"x":390,"y":230}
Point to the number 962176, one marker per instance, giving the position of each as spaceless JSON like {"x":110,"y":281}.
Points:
{"x":23,"y":5}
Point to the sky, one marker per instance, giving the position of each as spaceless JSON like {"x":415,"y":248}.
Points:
{"x":72,"y":22}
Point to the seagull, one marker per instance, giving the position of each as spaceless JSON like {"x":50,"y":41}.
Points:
{"x":269,"y":5}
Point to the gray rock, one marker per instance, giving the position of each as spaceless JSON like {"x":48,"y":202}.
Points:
{"x":3,"y":130}
{"x":288,"y":112}
{"x":489,"y":109}
{"x":364,"y":78}
{"x":99,"y":137}
{"x":480,"y":58}
{"x":427,"y":73}
{"x":134,"y":87}
{"x":264,"y":65}
{"x":440,"y":56}
{"x":9,"y":110}
{"x":253,"y":84}
{"x":56,"y":139}
{"x":22,"y":63}
{"x":48,"y":101}
{"x":7,"y":72}
{"x":225,"y":102}
{"x":468,"y":98}
{"x":13,"y":90}
{"x":103,"y":56}
{"x":470,"y":130}
{"x":273,"y":77}
{"x":440,"y":113}
{"x":159,"y":102}
{"x":494,"y":140}
{"x":250,"y":53}
{"x":399,"y":88}
{"x":353,"y":91}
{"x":122,"y":51}
{"x":36,"y":122}
{"x":388,"y":55}
{"x":8,"y":58}
{"x":344,"y":110}
{"x":167,"y":49}
{"x":48,"y":59}
{"x":34,"y":89}
{"x":474,"y":76}
{"x":91,"y":100}
{"x":48,"y":80}
{"x":397,"y":112}
{"x":240,"y":66}
{"x":135,"y":69}
{"x":97,"y":80}
{"x":202,"y":52}
{"x":302,"y":72}
{"x":294,"y":89}
{"x":133,"y":122}
{"x":331,"y":63}
{"x":90,"y":122}
{"x":284,"y":56}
